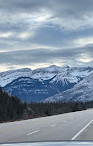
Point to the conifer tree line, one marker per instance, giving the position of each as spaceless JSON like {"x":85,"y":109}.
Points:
{"x":11,"y":108}
{"x":55,"y":108}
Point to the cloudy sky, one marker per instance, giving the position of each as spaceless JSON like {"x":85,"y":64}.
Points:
{"x":39,"y":33}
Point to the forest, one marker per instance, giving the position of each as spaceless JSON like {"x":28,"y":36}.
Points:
{"x":12,"y":109}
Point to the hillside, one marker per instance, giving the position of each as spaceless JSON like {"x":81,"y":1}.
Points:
{"x":82,"y":91}
{"x":11,"y":108}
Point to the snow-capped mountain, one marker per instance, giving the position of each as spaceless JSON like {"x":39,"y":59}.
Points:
{"x":35,"y":85}
{"x":29,"y":89}
{"x":40,"y":73}
{"x":48,"y":72}
{"x":82,"y":91}
{"x":8,"y":76}
{"x":61,"y":74}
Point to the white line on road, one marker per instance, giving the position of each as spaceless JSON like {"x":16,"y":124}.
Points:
{"x":33,"y":132}
{"x":53,"y":125}
{"x":81,"y":130}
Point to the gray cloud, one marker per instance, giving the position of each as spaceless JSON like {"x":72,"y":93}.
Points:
{"x":78,"y":14}
{"x":30,"y":57}
{"x":53,"y":25}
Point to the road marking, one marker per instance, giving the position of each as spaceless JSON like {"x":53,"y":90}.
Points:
{"x":53,"y":125}
{"x":81,"y":130}
{"x":33,"y":132}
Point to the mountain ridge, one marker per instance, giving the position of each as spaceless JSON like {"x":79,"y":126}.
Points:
{"x":44,"y":73}
{"x":81,"y":92}
{"x":42,"y":83}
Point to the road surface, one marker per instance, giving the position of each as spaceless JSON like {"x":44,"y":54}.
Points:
{"x":70,"y":126}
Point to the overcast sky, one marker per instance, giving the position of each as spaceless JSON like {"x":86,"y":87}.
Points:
{"x":39,"y":33}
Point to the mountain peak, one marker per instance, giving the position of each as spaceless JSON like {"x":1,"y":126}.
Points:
{"x":24,"y":69}
{"x":49,"y":81}
{"x":53,"y":66}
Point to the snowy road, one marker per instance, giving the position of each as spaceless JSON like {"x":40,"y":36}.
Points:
{"x":70,"y":126}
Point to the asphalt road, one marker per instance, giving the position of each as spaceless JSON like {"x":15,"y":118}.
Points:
{"x":70,"y":126}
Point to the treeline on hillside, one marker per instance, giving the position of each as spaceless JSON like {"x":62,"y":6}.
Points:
{"x":48,"y":109}
{"x":11,"y":108}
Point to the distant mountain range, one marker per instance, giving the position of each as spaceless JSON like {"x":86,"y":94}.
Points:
{"x":52,"y":83}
